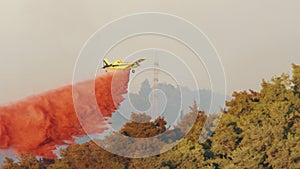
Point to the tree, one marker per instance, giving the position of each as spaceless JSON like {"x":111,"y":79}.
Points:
{"x":141,"y":126}
{"x":296,"y":78}
{"x":258,"y":130}
{"x":88,"y":155}
{"x":27,"y":161}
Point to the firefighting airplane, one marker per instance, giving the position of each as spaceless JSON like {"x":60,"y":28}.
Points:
{"x":119,"y":64}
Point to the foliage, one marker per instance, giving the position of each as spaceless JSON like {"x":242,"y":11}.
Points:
{"x":27,"y":161}
{"x":259,"y":129}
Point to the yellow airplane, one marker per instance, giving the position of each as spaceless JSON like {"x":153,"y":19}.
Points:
{"x":119,"y":64}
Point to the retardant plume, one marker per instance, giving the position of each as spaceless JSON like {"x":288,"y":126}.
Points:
{"x":39,"y":123}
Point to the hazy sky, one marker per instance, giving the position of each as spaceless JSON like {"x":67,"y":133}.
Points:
{"x":40,"y":40}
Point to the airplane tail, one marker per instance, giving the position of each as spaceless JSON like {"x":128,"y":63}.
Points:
{"x":106,"y":62}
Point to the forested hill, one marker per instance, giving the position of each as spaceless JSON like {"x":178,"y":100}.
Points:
{"x":260,"y":129}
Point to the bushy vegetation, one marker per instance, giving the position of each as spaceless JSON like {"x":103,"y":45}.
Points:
{"x":259,"y":129}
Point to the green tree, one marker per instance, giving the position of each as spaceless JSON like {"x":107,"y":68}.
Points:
{"x":27,"y":161}
{"x":88,"y":155}
{"x":296,"y":78}
{"x":258,"y":130}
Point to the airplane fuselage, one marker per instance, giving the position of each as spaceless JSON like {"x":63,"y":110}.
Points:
{"x":119,"y":64}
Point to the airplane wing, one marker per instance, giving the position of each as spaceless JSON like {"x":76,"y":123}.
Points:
{"x":136,"y":63}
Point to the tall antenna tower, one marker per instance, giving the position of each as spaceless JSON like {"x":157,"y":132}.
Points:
{"x":154,"y":88}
